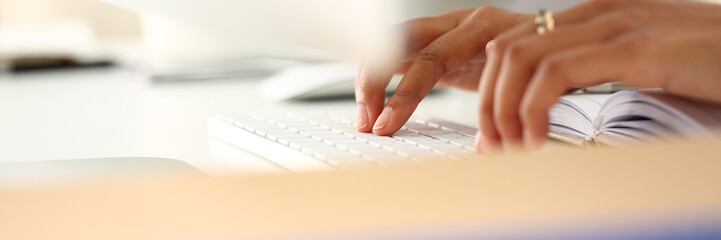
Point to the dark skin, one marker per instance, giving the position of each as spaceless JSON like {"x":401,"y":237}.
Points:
{"x":519,"y":75}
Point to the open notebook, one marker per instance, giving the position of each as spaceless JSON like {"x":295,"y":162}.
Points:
{"x":630,"y":116}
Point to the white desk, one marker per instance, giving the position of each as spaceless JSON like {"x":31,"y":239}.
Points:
{"x":112,"y":113}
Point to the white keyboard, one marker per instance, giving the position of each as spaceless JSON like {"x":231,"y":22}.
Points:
{"x":331,"y":142}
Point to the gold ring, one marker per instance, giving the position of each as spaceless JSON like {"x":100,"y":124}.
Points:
{"x":544,"y":22}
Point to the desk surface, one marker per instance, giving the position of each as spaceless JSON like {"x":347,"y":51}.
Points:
{"x":113,"y":113}
{"x":623,"y":192}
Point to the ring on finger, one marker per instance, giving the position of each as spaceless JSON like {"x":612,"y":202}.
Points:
{"x":544,"y":21}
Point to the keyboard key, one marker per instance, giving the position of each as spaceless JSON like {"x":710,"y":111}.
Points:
{"x":334,"y":140}
{"x":318,"y":132}
{"x":450,"y":150}
{"x":369,"y":150}
{"x":296,"y":142}
{"x":463,"y":141}
{"x":330,"y":137}
{"x":335,"y":153}
{"x":306,"y":128}
{"x":405,"y":132}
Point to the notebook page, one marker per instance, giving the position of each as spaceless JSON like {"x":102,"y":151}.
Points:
{"x":587,"y":104}
{"x":658,"y":113}
{"x":574,"y":114}
{"x":707,"y":115}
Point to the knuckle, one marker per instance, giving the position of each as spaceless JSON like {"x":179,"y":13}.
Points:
{"x":486,"y":109}
{"x":432,"y":55}
{"x":551,"y":68}
{"x":363,"y":85}
{"x":497,"y":47}
{"x":459,"y":15}
{"x":485,"y":105}
{"x":459,"y":11}
{"x":486,"y":124}
{"x":516,"y":51}
{"x":503,"y":116}
{"x":407,"y":95}
{"x":484,"y":11}
{"x":528,"y":111}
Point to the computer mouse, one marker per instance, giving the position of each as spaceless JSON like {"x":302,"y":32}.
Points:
{"x":316,"y":81}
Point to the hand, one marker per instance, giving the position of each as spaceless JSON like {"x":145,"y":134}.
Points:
{"x":675,"y":45}
{"x":447,"y":49}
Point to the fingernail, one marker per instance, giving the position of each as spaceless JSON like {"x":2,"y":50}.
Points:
{"x":478,"y":143}
{"x":361,"y":116}
{"x":484,"y":145}
{"x":490,"y":46}
{"x":383,"y":119}
{"x":489,"y":147}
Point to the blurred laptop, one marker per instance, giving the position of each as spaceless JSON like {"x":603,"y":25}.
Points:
{"x":195,"y":39}
{"x":308,"y":29}
{"x":286,"y":40}
{"x":194,"y":30}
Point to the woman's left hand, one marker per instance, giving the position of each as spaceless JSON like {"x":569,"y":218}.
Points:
{"x":675,"y":45}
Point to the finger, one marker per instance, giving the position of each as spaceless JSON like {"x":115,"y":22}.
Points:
{"x":438,"y":58}
{"x":404,"y":65}
{"x":465,"y":77}
{"x":522,"y":57}
{"x":372,"y":79}
{"x":420,"y":32}
{"x":582,"y":66}
{"x":370,"y":88}
{"x":488,"y":139}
